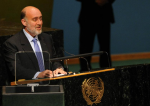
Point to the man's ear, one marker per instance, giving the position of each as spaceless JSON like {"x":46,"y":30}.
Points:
{"x":23,"y":21}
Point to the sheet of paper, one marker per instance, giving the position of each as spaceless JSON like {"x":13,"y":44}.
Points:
{"x":59,"y":75}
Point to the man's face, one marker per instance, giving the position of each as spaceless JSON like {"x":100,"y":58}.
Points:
{"x":34,"y":22}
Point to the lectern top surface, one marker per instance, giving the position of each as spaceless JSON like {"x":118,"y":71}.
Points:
{"x":60,"y":77}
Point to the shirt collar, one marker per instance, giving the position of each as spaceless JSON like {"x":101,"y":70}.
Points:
{"x":29,"y":37}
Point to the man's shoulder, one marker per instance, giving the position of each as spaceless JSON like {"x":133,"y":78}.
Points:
{"x":14,"y":37}
{"x":45,"y":35}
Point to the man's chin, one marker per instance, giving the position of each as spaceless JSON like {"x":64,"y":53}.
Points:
{"x":38,"y":32}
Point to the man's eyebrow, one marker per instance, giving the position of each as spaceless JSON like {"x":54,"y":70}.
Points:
{"x":37,"y":17}
{"x":34,"y":17}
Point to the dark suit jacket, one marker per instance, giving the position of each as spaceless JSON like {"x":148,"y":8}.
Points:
{"x":27,"y":64}
{"x":92,"y":12}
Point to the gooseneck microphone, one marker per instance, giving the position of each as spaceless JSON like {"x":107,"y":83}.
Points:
{"x":78,"y":57}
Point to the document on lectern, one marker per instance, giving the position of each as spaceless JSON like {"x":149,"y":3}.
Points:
{"x":29,"y":64}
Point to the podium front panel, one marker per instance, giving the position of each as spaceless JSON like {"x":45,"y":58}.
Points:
{"x":50,"y":95}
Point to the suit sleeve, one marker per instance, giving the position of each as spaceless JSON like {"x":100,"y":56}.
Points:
{"x":9,"y":52}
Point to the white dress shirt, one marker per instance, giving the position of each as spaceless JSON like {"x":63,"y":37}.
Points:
{"x":30,"y":38}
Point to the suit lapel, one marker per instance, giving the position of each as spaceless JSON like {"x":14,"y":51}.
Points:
{"x":28,"y":50}
{"x":45,"y":50}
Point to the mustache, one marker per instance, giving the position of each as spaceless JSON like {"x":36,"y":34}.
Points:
{"x":38,"y":26}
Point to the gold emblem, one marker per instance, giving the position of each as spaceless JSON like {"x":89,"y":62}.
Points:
{"x":93,"y":90}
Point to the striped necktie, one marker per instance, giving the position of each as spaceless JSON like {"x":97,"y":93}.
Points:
{"x":38,"y":55}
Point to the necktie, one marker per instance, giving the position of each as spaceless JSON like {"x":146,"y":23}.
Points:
{"x":38,"y":55}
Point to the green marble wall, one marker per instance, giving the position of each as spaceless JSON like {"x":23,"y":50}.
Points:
{"x":10,"y":9}
{"x":125,"y":86}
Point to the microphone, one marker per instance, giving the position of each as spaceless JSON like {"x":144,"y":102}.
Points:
{"x":79,"y":57}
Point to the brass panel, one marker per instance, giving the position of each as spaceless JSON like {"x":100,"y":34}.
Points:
{"x":93,"y":90}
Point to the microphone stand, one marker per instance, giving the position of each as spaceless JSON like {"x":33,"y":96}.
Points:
{"x":77,"y":56}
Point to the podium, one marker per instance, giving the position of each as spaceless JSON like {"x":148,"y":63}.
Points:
{"x":45,"y":95}
{"x":73,"y":86}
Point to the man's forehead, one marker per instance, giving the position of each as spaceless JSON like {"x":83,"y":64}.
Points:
{"x":32,"y":12}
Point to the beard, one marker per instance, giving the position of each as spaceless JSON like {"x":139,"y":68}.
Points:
{"x":34,"y":31}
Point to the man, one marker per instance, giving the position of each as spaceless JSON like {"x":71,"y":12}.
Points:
{"x":30,"y":65}
{"x":95,"y":18}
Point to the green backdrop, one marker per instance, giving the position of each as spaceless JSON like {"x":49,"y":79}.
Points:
{"x":10,"y":10}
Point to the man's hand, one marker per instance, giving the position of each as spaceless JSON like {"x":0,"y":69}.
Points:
{"x":46,"y":73}
{"x":59,"y":71}
{"x":49,"y":73}
{"x":101,"y":2}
